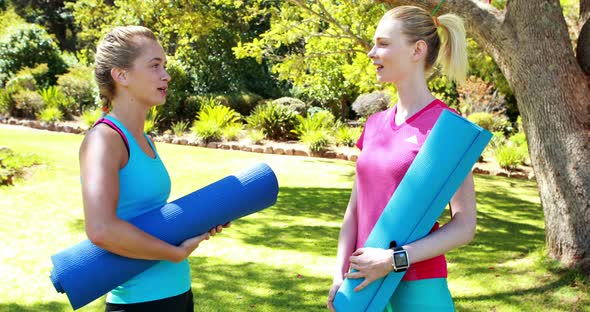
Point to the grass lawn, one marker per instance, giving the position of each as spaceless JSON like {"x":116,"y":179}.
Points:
{"x":280,"y":259}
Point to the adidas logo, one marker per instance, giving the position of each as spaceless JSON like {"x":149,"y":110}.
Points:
{"x":412,"y":139}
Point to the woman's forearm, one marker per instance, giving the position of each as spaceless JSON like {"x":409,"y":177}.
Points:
{"x":123,"y":238}
{"x":346,"y":246}
{"x":347,"y":237}
{"x":456,"y":233}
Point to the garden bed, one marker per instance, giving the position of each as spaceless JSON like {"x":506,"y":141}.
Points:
{"x":488,"y":166}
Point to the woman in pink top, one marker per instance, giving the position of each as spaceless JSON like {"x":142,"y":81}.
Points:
{"x":406,"y":46}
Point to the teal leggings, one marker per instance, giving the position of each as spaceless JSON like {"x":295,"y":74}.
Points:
{"x":430,"y":294}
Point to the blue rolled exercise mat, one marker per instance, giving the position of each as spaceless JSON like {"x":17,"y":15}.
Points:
{"x":85,"y":272}
{"x":440,"y":167}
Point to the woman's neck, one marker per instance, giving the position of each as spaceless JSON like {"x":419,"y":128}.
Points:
{"x":413,"y":95}
{"x":130,"y":112}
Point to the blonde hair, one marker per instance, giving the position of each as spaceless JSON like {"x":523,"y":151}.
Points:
{"x":119,"y":48}
{"x":417,"y":24}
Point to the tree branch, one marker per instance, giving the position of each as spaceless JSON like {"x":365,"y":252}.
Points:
{"x":324,"y":15}
{"x":302,"y":58}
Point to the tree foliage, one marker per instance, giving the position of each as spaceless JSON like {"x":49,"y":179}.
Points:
{"x":199,"y":34}
{"x":28,"y":45}
{"x":319,"y":47}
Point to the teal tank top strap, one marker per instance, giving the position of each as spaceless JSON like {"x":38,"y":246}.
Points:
{"x":114,"y":126}
{"x":147,"y":137}
{"x":132,"y":144}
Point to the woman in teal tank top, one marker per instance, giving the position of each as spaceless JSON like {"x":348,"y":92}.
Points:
{"x":123,"y":175}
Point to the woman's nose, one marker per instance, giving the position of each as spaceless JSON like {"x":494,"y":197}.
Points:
{"x":166,"y":76}
{"x":371,"y":53}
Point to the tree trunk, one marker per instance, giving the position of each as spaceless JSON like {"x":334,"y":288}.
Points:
{"x":536,"y":56}
{"x":554,"y":102}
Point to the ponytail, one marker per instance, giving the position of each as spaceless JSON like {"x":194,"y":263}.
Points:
{"x":453,"y":54}
{"x":418,"y":24}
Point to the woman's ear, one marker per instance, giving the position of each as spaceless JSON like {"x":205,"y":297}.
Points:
{"x":119,"y":75}
{"x":420,"y":50}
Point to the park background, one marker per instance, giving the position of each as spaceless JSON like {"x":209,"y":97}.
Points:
{"x":261,"y":72}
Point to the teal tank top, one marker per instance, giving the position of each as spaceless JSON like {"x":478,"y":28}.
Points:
{"x":144,"y":184}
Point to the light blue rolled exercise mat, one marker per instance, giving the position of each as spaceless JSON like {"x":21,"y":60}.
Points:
{"x":85,"y":272}
{"x":440,"y":167}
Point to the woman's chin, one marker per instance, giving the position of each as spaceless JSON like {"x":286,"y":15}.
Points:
{"x":159,"y":102}
{"x":382,"y":79}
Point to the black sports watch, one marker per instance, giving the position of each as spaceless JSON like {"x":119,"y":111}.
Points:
{"x":401,"y":261}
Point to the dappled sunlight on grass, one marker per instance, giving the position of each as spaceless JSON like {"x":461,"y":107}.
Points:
{"x":246,"y":286}
{"x":282,"y":258}
{"x":505,"y":268}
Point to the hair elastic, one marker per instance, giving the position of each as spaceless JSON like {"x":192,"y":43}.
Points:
{"x":436,"y":22}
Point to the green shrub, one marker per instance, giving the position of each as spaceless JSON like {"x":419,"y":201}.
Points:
{"x":316,"y":140}
{"x":256,"y":136}
{"x":222,"y":115}
{"x":294,"y":104}
{"x":347,"y":136}
{"x":22,"y":81}
{"x":28,"y":78}
{"x":79,"y":85}
{"x":179,"y":127}
{"x":484,"y":120}
{"x":315,"y":130}
{"x":509,"y":157}
{"x":27,"y":45}
{"x":491,"y":122}
{"x":149,"y":125}
{"x":501,"y":123}
{"x":211,"y":121}
{"x":519,"y":126}
{"x":518,"y":139}
{"x":190,"y":107}
{"x":55,"y":98}
{"x":319,"y":120}
{"x":222,"y":99}
{"x":244,"y":102}
{"x":232,"y":132}
{"x":207,"y":130}
{"x":12,"y":164}
{"x":276,"y":120}
{"x":497,"y":140}
{"x":90,"y":116}
{"x":27,"y":104}
{"x":50,"y":114}
{"x":8,"y":18}
{"x":7,"y":104}
{"x":367,"y":104}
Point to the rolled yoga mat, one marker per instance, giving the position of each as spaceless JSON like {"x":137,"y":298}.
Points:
{"x":440,"y":167}
{"x":85,"y":272}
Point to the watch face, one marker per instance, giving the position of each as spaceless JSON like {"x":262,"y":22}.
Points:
{"x":400,"y":258}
